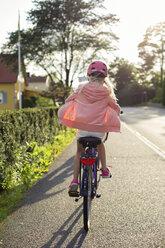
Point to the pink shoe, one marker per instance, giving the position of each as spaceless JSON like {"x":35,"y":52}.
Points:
{"x":73,"y":187}
{"x":106,"y":174}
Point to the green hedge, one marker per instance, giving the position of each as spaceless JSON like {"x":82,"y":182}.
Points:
{"x":18,"y":130}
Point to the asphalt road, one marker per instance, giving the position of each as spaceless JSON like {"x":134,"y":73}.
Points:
{"x":149,"y":122}
{"x":130,"y":212}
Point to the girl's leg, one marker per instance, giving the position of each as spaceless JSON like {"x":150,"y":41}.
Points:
{"x":105,"y":171}
{"x":80,"y":149}
{"x":102,"y":155}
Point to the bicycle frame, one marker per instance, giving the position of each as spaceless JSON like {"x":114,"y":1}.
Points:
{"x":89,"y":163}
{"x":89,"y":166}
{"x":88,"y":182}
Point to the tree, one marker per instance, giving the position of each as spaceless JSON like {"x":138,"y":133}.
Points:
{"x":152,"y":49}
{"x":122,"y":72}
{"x":125,"y":77}
{"x":67,"y":34}
{"x":55,"y":91}
{"x":69,"y":30}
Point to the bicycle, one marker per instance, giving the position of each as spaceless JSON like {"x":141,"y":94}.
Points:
{"x":89,"y":176}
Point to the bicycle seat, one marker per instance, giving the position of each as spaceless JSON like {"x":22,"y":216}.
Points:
{"x":89,"y":141}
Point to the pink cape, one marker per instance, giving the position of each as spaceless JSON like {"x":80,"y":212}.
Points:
{"x":88,"y":109}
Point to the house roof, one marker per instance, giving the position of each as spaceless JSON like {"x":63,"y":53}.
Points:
{"x":6,"y":74}
{"x":36,"y":79}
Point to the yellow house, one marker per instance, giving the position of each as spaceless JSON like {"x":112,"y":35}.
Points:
{"x":9,"y":87}
{"x":8,"y":81}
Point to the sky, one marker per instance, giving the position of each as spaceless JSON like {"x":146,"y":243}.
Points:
{"x":9,"y":16}
{"x":135,"y":17}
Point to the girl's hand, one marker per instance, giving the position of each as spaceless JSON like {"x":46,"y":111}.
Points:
{"x":113,"y":104}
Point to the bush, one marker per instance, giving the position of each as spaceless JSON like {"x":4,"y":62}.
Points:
{"x":31,"y":167}
{"x":36,"y":101}
{"x":29,"y":102}
{"x":158,"y":96}
{"x":43,"y":101}
{"x":18,"y":130}
{"x":133,"y":94}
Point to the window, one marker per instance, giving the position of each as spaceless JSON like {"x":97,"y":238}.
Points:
{"x":3,"y":97}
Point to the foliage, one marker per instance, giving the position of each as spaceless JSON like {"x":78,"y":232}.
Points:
{"x":9,"y":199}
{"x":18,"y":129}
{"x":133,"y":94}
{"x":56,"y":91}
{"x":36,"y":101}
{"x":122,"y":73}
{"x":31,"y":167}
{"x":163,"y":94}
{"x":29,"y":102}
{"x":158,"y":96}
{"x":43,"y":102}
{"x":128,"y":90}
{"x":70,"y":28}
{"x":151,"y":51}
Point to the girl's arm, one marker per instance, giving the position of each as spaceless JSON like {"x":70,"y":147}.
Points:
{"x":72,"y":96}
{"x":113,"y":104}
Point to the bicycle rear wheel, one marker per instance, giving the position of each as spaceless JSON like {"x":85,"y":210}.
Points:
{"x":87,"y":202}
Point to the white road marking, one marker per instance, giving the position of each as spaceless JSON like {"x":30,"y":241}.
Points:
{"x":146,"y":141}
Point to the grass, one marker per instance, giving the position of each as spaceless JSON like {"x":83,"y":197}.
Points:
{"x":45,"y":156}
{"x":9,"y":199}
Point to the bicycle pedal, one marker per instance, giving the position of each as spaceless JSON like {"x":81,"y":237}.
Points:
{"x":110,"y":175}
{"x":98,"y":195}
{"x":73,"y":194}
{"x":77,"y":199}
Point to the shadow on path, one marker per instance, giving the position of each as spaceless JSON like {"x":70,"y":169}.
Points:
{"x":51,"y":180}
{"x":65,"y":230}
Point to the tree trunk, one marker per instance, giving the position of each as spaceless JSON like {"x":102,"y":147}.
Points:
{"x":162,"y":64}
{"x":54,"y":101}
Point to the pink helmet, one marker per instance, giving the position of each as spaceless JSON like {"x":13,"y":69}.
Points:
{"x":97,"y":66}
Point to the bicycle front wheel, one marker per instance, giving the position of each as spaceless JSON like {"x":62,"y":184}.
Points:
{"x":87,"y":202}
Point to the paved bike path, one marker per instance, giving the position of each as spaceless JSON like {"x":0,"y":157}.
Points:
{"x":130,"y":212}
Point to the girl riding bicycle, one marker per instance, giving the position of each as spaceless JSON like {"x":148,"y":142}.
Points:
{"x":92,"y":109}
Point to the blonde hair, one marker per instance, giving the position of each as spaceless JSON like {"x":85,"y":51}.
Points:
{"x":100,"y":80}
{"x":111,"y":88}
